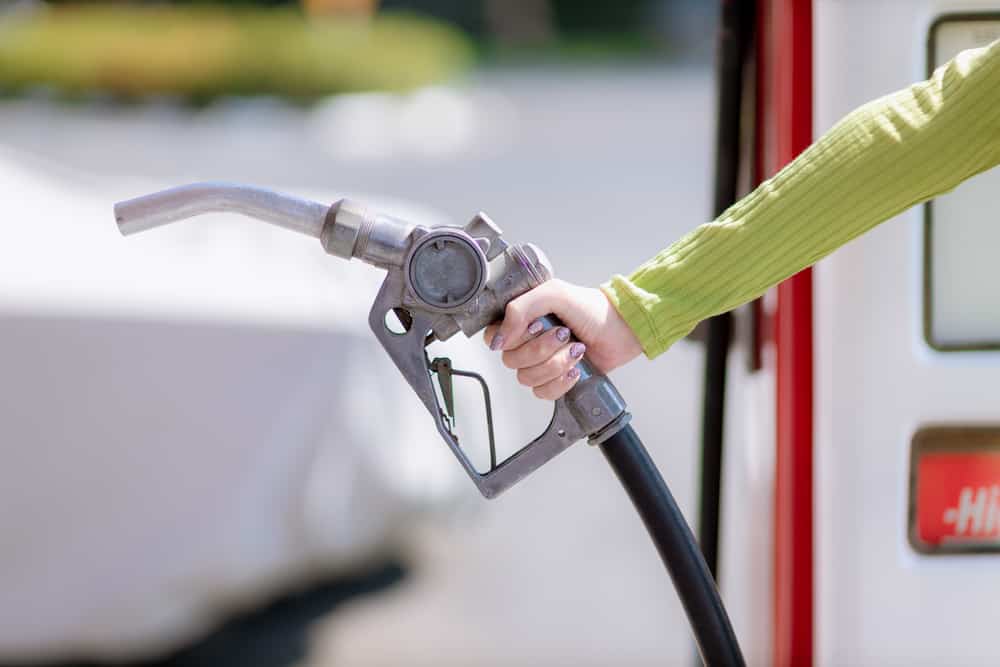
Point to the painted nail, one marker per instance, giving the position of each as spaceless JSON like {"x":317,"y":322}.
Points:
{"x":573,"y":373}
{"x":535,"y":328}
{"x":497,"y":342}
{"x":562,"y":333}
{"x":576,"y":350}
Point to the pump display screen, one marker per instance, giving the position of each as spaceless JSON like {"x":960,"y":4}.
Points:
{"x":962,"y":228}
{"x":955,"y":490}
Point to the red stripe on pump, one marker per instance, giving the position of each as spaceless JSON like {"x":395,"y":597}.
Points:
{"x":787,"y":88}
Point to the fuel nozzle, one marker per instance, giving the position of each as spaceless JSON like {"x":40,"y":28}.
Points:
{"x":440,"y":281}
{"x":188,"y":201}
{"x":346,"y":229}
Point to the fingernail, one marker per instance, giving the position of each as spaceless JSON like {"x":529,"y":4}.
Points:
{"x":535,"y":328}
{"x":573,"y":373}
{"x":562,"y":333}
{"x":576,"y":350}
{"x":497,"y":342}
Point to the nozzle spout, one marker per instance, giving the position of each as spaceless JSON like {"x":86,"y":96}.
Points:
{"x":187,"y":201}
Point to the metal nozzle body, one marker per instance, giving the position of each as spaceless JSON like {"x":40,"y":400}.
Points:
{"x":186,"y":201}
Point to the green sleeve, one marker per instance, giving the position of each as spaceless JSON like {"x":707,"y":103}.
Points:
{"x":878,"y":161}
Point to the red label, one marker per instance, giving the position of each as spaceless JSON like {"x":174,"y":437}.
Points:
{"x":958,"y":499}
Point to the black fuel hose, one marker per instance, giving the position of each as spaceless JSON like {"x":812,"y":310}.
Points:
{"x":678,"y":549}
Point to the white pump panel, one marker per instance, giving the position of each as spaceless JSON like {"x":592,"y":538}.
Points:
{"x":879,"y":382}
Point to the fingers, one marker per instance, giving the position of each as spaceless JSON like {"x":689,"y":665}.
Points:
{"x":558,"y":365}
{"x":554,"y":389}
{"x":549,"y":297}
{"x":537,"y":349}
{"x":545,"y":360}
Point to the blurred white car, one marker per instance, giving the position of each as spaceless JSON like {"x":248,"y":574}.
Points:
{"x":191,"y":419}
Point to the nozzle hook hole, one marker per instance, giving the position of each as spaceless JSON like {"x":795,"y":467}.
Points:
{"x":398,"y":321}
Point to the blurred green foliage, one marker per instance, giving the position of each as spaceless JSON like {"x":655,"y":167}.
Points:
{"x":201,"y":52}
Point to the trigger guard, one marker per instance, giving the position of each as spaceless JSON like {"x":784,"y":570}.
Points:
{"x":592,"y":407}
{"x":562,"y":420}
{"x":408,"y":353}
{"x":535,"y":454}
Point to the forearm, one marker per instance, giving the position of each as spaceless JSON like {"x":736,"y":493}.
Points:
{"x":878,"y":161}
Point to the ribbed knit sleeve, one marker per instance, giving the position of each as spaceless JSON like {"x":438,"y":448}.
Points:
{"x":878,"y":161}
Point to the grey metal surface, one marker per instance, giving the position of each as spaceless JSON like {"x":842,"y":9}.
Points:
{"x":446,"y":270}
{"x":187,"y":201}
{"x":352,"y":230}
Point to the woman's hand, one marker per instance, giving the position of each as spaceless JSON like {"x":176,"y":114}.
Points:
{"x":546,"y":361}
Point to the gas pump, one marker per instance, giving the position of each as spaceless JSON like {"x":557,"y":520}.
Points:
{"x":874,"y":439}
{"x":907,"y":459}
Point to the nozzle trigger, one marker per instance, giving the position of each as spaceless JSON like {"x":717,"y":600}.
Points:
{"x":442,"y":367}
{"x":445,"y":372}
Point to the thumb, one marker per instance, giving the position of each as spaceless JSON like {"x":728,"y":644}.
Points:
{"x":551,"y":297}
